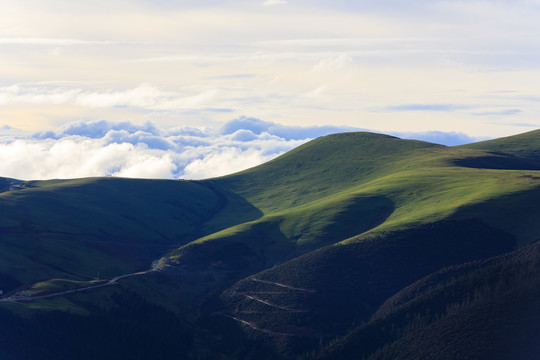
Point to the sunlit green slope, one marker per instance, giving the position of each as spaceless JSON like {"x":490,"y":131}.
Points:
{"x":381,"y":183}
{"x":324,"y":167}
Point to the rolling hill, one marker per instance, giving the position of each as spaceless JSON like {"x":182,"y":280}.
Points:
{"x":352,"y":245}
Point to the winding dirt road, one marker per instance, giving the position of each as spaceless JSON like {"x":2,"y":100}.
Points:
{"x":283,"y":285}
{"x":60,"y":293}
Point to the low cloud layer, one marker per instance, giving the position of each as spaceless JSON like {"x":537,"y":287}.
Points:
{"x":103,"y":148}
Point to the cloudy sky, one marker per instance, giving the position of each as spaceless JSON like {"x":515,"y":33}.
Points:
{"x":191,"y":89}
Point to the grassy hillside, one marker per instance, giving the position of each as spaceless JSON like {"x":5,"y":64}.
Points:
{"x":276,"y":238}
{"x":76,"y":228}
{"x":323,"y":167}
{"x":395,"y":184}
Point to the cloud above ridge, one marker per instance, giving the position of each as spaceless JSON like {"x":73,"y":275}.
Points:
{"x":104,"y":148}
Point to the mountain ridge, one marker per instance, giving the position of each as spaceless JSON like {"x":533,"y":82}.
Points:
{"x":284,"y":260}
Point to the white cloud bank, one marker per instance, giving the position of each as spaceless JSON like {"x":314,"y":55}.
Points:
{"x":103,"y":148}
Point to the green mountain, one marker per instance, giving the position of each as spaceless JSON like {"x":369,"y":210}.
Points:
{"x":352,"y":245}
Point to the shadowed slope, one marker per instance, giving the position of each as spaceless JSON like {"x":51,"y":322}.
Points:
{"x":484,"y":310}
{"x":77,"y":228}
{"x":348,"y":282}
{"x":276,"y":238}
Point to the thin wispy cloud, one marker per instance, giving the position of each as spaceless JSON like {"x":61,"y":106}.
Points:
{"x":52,"y":41}
{"x":505,"y":112}
{"x":144,"y":96}
{"x":527,"y":125}
{"x":302,"y":63}
{"x":425,"y":107}
{"x":274,"y":2}
{"x":231,"y":77}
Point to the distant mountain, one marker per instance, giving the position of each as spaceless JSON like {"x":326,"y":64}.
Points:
{"x":353,"y":245}
{"x":524,"y":145}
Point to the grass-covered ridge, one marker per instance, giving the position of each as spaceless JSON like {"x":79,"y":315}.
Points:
{"x":300,"y":193}
{"x":323,"y":167}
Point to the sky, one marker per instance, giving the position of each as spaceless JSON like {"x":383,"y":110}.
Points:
{"x":194,"y":89}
